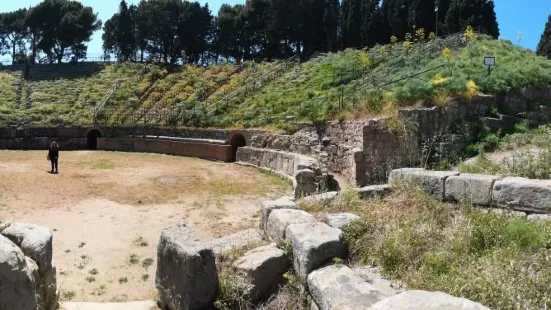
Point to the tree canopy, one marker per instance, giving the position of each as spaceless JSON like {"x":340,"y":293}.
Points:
{"x":59,"y":29}
{"x":544,"y":47}
{"x":174,"y":31}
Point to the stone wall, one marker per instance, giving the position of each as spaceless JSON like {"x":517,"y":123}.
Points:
{"x":334,"y":144}
{"x":527,"y":197}
{"x":192,"y":149}
{"x":364,"y":151}
{"x":302,"y":170}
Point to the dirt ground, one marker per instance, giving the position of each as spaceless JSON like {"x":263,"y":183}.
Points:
{"x":107,"y":211}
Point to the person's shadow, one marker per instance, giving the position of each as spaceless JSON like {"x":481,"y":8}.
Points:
{"x":52,"y":172}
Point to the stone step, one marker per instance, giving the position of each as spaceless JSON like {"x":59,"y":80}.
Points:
{"x":134,"y":305}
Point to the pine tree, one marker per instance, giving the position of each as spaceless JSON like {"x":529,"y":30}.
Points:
{"x":544,"y":47}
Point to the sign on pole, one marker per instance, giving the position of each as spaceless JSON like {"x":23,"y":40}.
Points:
{"x":489,"y":61}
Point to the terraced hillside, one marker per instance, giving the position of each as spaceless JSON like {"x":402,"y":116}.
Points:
{"x":346,"y":85}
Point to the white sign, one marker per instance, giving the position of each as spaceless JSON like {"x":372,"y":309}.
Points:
{"x":489,"y":61}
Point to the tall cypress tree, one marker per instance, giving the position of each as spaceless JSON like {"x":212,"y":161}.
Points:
{"x":370,"y":22}
{"x":395,"y":14}
{"x":544,"y":47}
{"x":479,"y":14}
{"x":352,"y":23}
{"x":421,"y":15}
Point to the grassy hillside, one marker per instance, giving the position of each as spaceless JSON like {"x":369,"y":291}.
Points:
{"x":349,"y":84}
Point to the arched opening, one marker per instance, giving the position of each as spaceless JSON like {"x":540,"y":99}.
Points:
{"x":237,"y":141}
{"x":92,"y":139}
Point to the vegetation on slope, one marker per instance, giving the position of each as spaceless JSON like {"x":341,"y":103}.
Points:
{"x":349,"y":84}
{"x":525,"y":153}
{"x":500,"y":261}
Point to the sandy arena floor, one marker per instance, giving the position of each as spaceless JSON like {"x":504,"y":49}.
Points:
{"x":107,"y":211}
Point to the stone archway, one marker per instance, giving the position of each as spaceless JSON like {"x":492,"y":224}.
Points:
{"x":237,"y":140}
{"x":92,"y":138}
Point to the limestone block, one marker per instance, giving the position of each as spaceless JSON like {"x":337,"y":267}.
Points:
{"x":281,"y":218}
{"x":422,"y":300}
{"x":522,"y":194}
{"x":263,"y":267}
{"x":186,"y":276}
{"x":17,"y":289}
{"x":432,"y":181}
{"x":473,"y":188}
{"x":269,"y":205}
{"x":340,"y":220}
{"x":314,"y":244}
{"x":338,"y":287}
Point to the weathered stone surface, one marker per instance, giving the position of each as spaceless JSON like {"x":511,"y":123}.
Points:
{"x":304,"y":162}
{"x":338,"y":287}
{"x":339,"y":220}
{"x":281,"y":218}
{"x":239,"y":239}
{"x":422,"y":300}
{"x":324,"y":198}
{"x":305,"y":183}
{"x":263,"y":267}
{"x":473,"y":188}
{"x":522,"y":194}
{"x":314,"y":244}
{"x":35,"y":241}
{"x":133,"y":305}
{"x":432,"y":181}
{"x":17,"y":286}
{"x":373,"y":191}
{"x":503,"y":212}
{"x":186,"y":275}
{"x":372,"y":275}
{"x":269,"y":205}
{"x":539,"y":217}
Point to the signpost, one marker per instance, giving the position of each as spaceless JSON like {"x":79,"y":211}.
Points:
{"x":489,"y":61}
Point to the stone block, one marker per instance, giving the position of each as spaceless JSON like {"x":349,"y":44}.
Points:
{"x":239,"y":239}
{"x":473,"y":188}
{"x":186,"y":276}
{"x":314,"y":244}
{"x":522,"y":194}
{"x":422,"y":300}
{"x":263,"y":268}
{"x":338,"y":287}
{"x":305,"y":183}
{"x":324,"y":198}
{"x":269,"y":205}
{"x":539,"y":217}
{"x":373,"y":191}
{"x":372,"y":275}
{"x":281,"y":218}
{"x":17,"y":285}
{"x":433,"y":182}
{"x":35,"y":241}
{"x":340,"y":220}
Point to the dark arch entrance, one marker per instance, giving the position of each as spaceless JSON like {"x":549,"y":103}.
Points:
{"x":92,"y":139}
{"x":236,"y":141}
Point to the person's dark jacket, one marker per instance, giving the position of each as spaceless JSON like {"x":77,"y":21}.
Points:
{"x":53,"y":154}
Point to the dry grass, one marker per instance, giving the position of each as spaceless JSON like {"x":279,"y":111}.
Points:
{"x":499,"y":261}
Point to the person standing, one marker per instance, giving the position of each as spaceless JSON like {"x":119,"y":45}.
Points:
{"x":53,"y":155}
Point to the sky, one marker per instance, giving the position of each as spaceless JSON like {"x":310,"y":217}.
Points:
{"x":527,"y":17}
